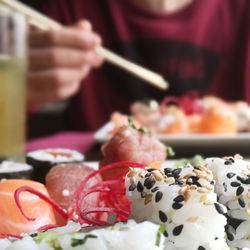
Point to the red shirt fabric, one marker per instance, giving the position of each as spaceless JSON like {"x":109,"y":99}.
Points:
{"x":204,"y":46}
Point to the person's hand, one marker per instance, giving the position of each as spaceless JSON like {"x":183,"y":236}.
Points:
{"x":59,"y":61}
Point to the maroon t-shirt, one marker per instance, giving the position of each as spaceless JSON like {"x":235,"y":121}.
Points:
{"x":204,"y":46}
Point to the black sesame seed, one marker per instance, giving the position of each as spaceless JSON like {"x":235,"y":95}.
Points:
{"x":225,"y":186}
{"x":219,"y":208}
{"x":149,"y":183}
{"x":179,"y":198}
{"x":216,"y":238}
{"x":150,"y":170}
{"x":143,"y":194}
{"x":235,"y":184}
{"x":229,"y":161}
{"x":230,"y":236}
{"x":180,"y":183}
{"x":177,"y":230}
{"x":201,"y":248}
{"x":230,"y":175}
{"x":155,"y":189}
{"x":189,"y":181}
{"x":147,"y":175}
{"x":158,"y":196}
{"x":197,"y":184}
{"x":177,"y":206}
{"x":244,"y":181}
{"x":212,"y":182}
{"x":239,"y":190}
{"x":194,"y":178}
{"x":165,"y":233}
{"x":168,"y":170}
{"x":140,"y":187}
{"x":163,"y":217}
{"x":132,"y":187}
{"x":241,"y":202}
{"x":176,"y":172}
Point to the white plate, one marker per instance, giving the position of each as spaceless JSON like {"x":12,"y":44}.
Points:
{"x":187,"y":140}
{"x":166,"y":164}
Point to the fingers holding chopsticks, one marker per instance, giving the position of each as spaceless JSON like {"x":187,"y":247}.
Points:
{"x":59,"y":61}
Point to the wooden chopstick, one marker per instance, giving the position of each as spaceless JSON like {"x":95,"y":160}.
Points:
{"x":45,"y":23}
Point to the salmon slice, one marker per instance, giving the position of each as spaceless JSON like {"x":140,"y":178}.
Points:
{"x":11,"y":219}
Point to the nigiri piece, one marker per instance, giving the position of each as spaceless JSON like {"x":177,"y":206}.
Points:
{"x":219,"y":120}
{"x":130,"y":144}
{"x":12,"y":221}
{"x":63,"y":180}
{"x":173,"y":121}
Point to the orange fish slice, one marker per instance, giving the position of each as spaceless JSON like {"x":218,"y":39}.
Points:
{"x":11,"y":219}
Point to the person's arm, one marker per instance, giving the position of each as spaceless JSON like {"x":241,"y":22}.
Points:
{"x":59,"y":61}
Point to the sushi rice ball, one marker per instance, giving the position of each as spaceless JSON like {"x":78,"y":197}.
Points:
{"x":183,"y":200}
{"x":232,"y":176}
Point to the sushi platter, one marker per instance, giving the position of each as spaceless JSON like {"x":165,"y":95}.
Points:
{"x":134,"y":198}
{"x":175,"y":140}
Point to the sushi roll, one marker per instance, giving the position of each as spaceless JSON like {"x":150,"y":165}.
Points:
{"x":183,"y":201}
{"x":133,"y":236}
{"x":43,"y":160}
{"x":232,"y":175}
{"x":14,"y":170}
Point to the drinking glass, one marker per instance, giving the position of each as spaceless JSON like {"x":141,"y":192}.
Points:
{"x":13,"y":68}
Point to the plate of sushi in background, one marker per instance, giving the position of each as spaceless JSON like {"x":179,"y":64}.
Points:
{"x":187,"y":120}
{"x":134,"y":198}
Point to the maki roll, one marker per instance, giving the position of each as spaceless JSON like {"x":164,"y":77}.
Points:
{"x":183,"y":201}
{"x":232,"y":175}
{"x":43,"y":160}
{"x":14,"y":170}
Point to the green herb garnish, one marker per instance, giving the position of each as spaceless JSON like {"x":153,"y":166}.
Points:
{"x":78,"y":242}
{"x":55,"y":244}
{"x":196,"y":161}
{"x":170,"y":152}
{"x":160,"y":231}
{"x":143,"y":130}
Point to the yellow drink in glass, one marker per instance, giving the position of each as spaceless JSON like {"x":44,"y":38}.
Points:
{"x":12,"y":108}
{"x":13,"y":32}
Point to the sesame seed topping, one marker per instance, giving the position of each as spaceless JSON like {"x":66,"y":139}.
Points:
{"x":149,"y":182}
{"x":219,"y":208}
{"x":230,"y":175}
{"x":158,"y":196}
{"x":148,"y":199}
{"x":132,"y":187}
{"x":163,"y":217}
{"x":235,"y":184}
{"x":177,"y":230}
{"x":179,"y":198}
{"x":177,"y":206}
{"x":167,"y":170}
{"x":201,"y":248}
{"x":140,"y":187}
{"x":155,"y":189}
{"x":239,"y":190}
{"x":165,"y":233}
{"x":176,"y":172}
{"x":225,"y":186}
{"x":241,"y":202}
